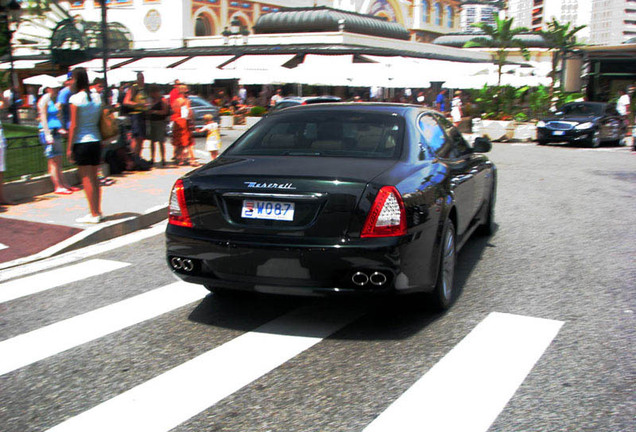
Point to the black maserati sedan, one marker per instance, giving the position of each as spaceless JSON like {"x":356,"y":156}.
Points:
{"x":587,"y":123}
{"x":334,"y":199}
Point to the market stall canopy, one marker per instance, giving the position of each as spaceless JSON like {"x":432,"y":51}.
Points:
{"x":144,"y":63}
{"x":96,"y":64}
{"x":21,"y":64}
{"x":44,"y":81}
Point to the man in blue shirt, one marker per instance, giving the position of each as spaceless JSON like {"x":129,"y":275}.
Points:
{"x":63,"y":102}
{"x":440,"y":101}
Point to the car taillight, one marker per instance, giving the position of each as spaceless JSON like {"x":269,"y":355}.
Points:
{"x":178,"y":211}
{"x":387,"y":217}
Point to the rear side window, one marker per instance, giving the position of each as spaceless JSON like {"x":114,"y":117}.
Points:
{"x":325,"y":133}
{"x":432,"y":133}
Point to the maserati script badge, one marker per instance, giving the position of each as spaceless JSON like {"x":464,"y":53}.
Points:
{"x":270,"y":185}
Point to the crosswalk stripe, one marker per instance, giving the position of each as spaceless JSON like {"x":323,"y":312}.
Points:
{"x":172,"y":398}
{"x":39,"y":344}
{"x":471,"y":385}
{"x":44,"y":281}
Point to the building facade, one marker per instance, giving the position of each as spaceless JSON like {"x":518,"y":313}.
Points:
{"x":535,"y":14}
{"x":477,"y":12}
{"x":613,"y":22}
{"x":169,"y":23}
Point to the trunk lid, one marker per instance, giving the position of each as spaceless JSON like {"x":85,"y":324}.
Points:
{"x":323,"y":194}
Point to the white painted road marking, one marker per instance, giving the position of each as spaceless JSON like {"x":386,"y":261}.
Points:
{"x":162,"y":403}
{"x":54,"y":278}
{"x":3,"y":246}
{"x":471,"y":385}
{"x":79,"y":254}
{"x":39,"y":344}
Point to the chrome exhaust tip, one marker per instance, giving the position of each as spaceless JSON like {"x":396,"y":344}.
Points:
{"x":176,"y":263}
{"x":187,"y":265}
{"x":360,"y":279}
{"x":378,"y":279}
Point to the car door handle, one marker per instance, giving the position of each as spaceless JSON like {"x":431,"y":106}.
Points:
{"x":460,"y":179}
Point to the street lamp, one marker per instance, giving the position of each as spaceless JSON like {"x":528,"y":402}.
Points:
{"x":9,"y":19}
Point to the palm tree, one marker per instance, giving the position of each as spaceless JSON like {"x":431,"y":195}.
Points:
{"x":502,"y":38}
{"x":560,"y":39}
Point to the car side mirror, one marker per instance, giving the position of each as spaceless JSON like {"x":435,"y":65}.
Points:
{"x":482,"y":145}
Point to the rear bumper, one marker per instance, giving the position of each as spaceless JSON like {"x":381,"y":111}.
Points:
{"x":292,"y":268}
{"x":547,"y":135}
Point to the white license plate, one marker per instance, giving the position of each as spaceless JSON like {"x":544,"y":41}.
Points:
{"x":271,"y":210}
{"x":558,"y":133}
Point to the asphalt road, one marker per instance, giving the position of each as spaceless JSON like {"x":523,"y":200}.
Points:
{"x":559,"y":270}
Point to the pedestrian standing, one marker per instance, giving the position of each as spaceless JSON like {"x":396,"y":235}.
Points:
{"x":63,"y":102}
{"x":51,"y":133}
{"x":136,"y":101}
{"x":274,"y":99}
{"x":440,"y":101}
{"x":157,"y":117}
{"x":181,"y":134}
{"x":623,"y":106}
{"x":456,"y":107}
{"x":3,"y":150}
{"x":242,"y":94}
{"x":84,"y":141}
{"x":213,"y":136}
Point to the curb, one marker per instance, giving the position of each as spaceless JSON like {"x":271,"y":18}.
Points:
{"x":98,"y":234}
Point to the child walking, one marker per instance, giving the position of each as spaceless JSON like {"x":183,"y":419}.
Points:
{"x":213,"y":139}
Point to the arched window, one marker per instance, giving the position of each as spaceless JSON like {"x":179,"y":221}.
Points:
{"x":449,"y":16}
{"x":203,"y":26}
{"x":437,"y":13}
{"x":425,"y":11}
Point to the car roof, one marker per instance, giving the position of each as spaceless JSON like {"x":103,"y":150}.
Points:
{"x":396,"y":108}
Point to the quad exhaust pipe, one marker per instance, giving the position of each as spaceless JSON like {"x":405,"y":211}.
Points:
{"x":184,"y":264}
{"x":375,"y":278}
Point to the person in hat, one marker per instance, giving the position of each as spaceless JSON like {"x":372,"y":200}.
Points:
{"x":456,"y":107}
{"x":63,"y":102}
{"x":51,"y":132}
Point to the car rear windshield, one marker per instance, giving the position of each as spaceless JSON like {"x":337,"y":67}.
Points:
{"x":321,"y":133}
{"x":582,"y":110}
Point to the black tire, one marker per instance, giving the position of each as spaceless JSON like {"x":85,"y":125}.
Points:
{"x":595,"y":140}
{"x":444,"y":293}
{"x":542,"y":142}
{"x":488,"y":227}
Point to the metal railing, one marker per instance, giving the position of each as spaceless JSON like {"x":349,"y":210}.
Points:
{"x":25,"y":158}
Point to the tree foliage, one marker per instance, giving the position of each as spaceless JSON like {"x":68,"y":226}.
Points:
{"x":560,"y":39}
{"x":501,"y":37}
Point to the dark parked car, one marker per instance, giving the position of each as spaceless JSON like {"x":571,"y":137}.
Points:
{"x":334,"y":199}
{"x":587,"y":123}
{"x":298,"y":100}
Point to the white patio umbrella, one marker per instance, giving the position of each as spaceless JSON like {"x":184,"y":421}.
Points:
{"x":44,"y":81}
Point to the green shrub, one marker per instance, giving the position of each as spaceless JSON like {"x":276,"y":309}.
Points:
{"x":257,"y":111}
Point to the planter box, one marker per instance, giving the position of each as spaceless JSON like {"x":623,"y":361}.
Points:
{"x":505,"y":130}
{"x":227,"y":122}
{"x":251,"y":121}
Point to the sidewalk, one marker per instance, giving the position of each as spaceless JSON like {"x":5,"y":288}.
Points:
{"x":44,"y":225}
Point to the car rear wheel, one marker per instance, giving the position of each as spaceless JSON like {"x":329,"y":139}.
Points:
{"x":595,"y":139}
{"x":542,"y":142}
{"x":444,"y":293}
